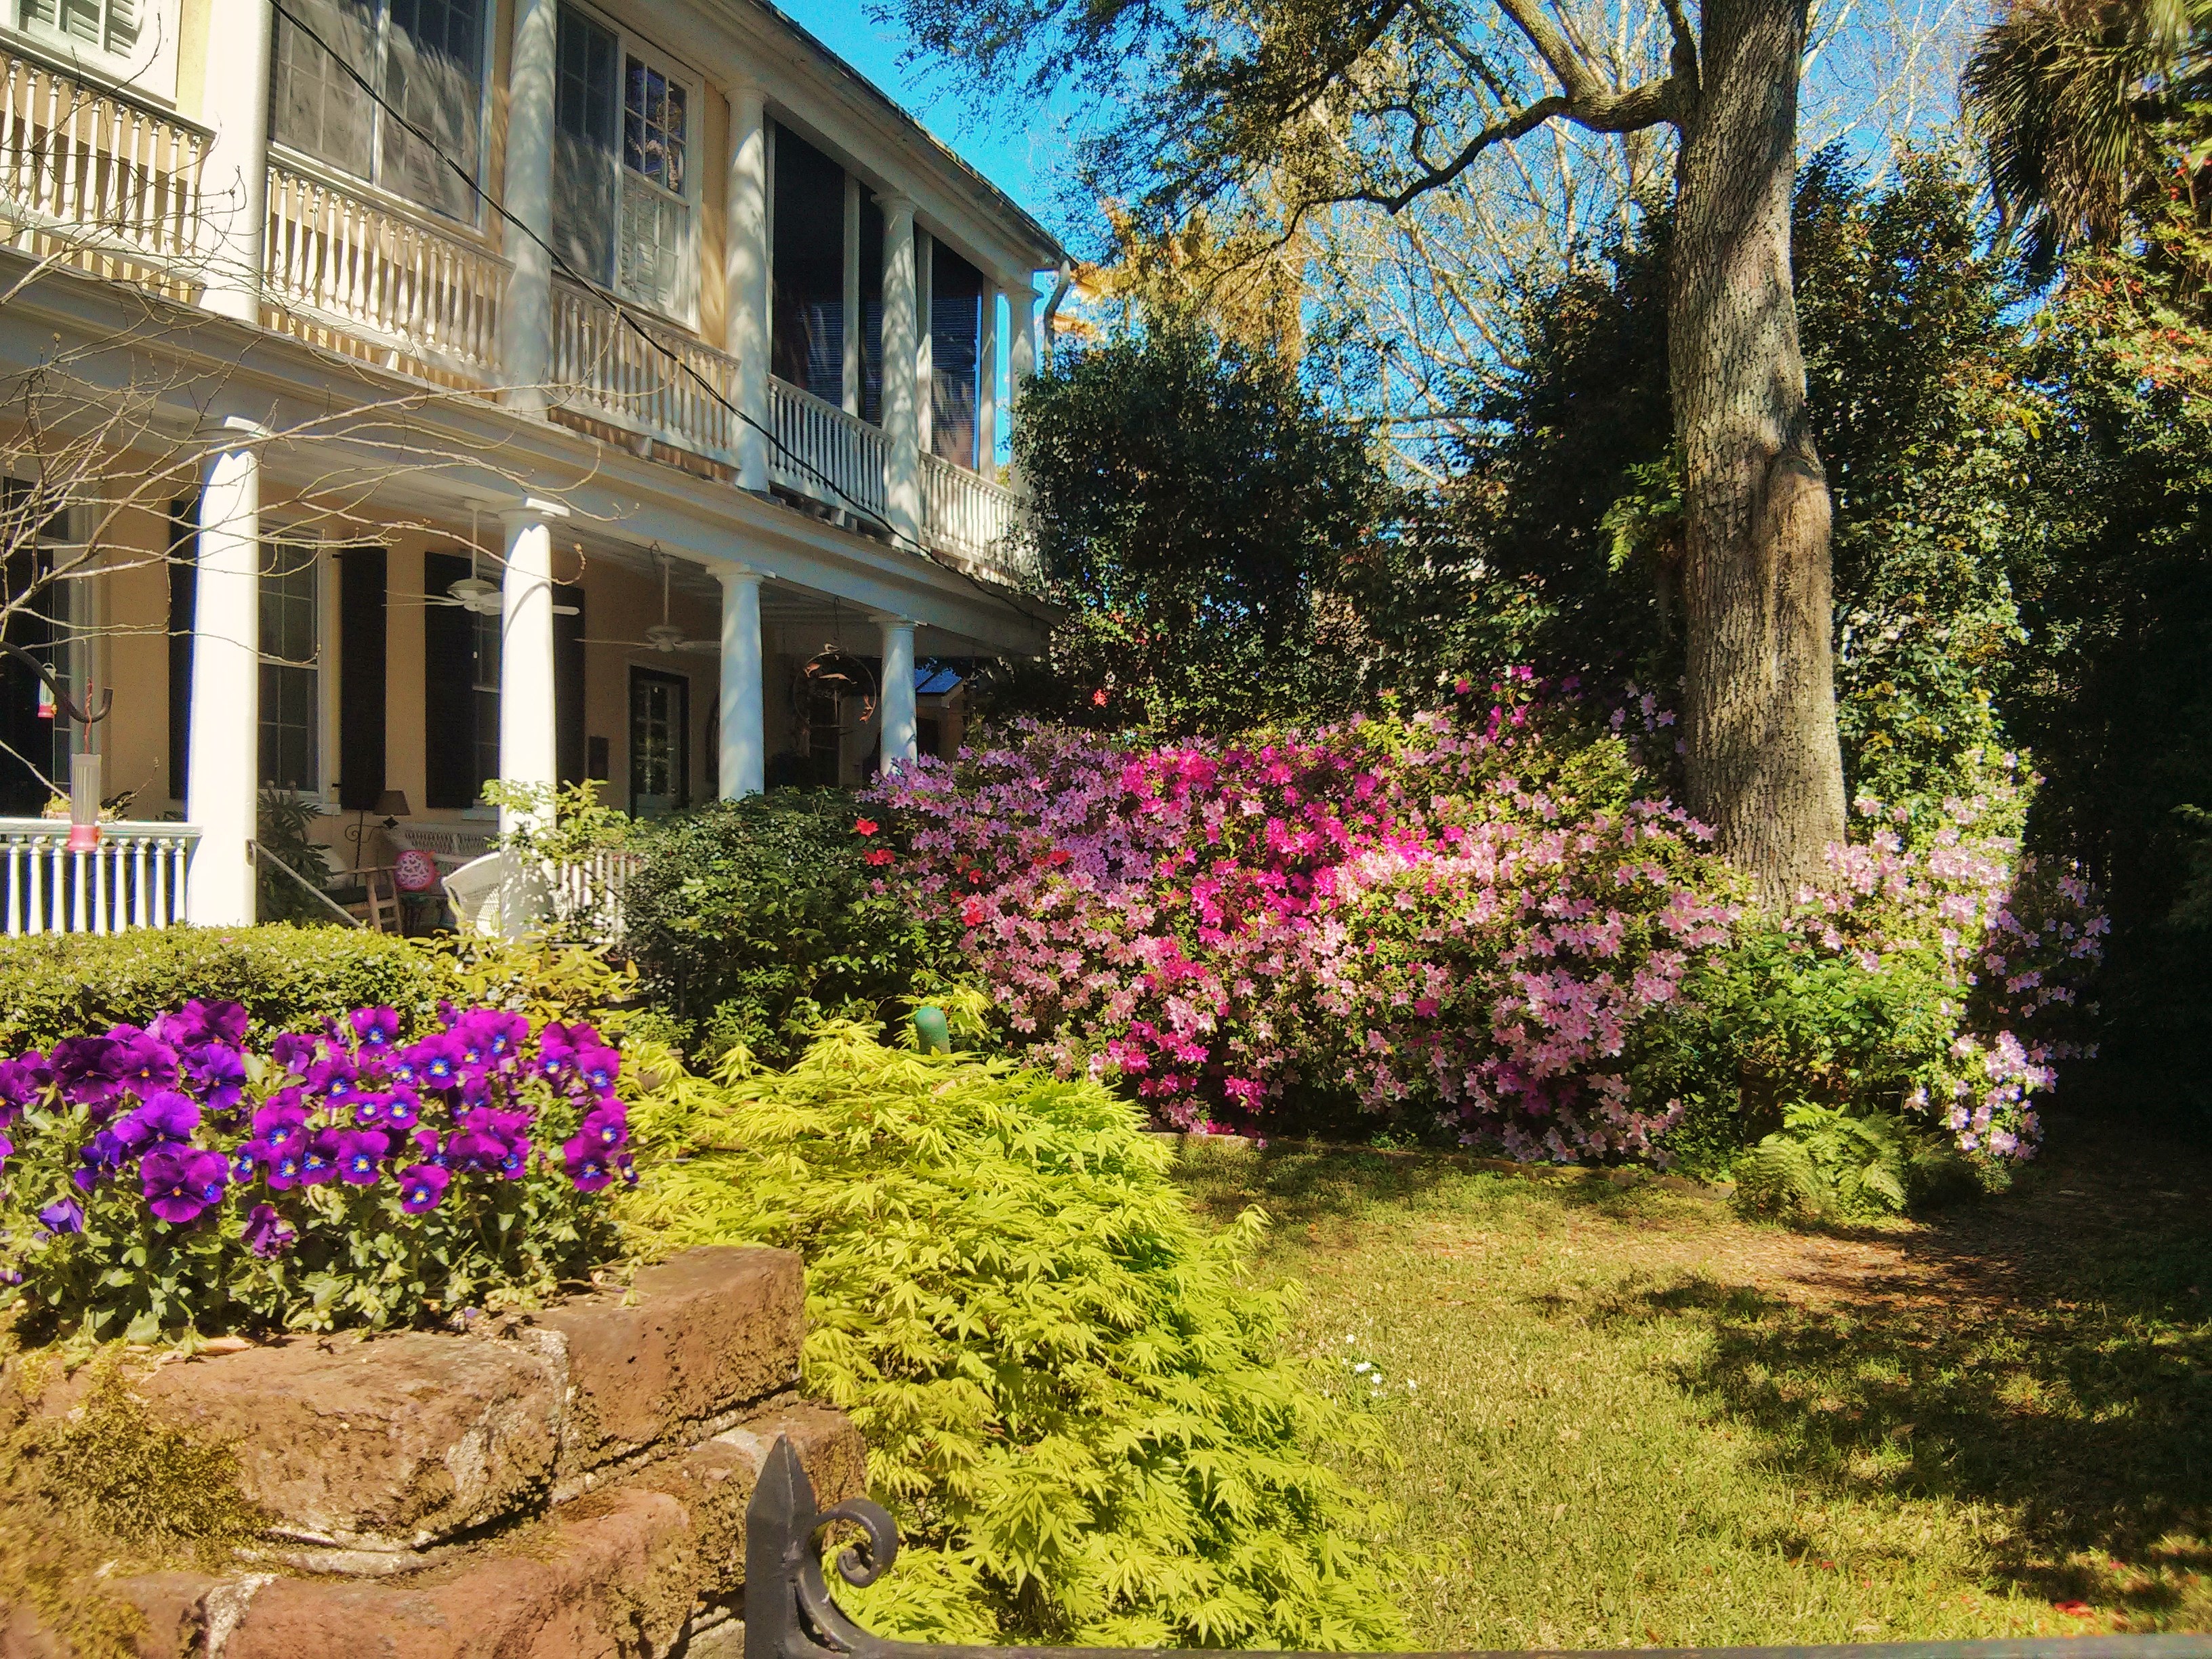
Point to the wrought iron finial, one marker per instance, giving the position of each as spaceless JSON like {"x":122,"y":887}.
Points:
{"x":789,"y":1613}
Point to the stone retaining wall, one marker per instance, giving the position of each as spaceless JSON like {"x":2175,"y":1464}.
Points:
{"x":567,"y":1484}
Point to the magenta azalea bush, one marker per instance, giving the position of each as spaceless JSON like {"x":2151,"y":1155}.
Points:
{"x":1488,"y":919}
{"x":168,"y":1176}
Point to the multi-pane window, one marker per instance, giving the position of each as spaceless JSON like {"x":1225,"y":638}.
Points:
{"x":426,"y":58}
{"x":132,"y":40}
{"x":483,"y":691}
{"x":622,"y":185}
{"x":291,"y":666}
{"x":660,"y":742}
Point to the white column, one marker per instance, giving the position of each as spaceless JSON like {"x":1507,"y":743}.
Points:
{"x":986,"y":391}
{"x":747,"y":247}
{"x":526,"y":749}
{"x":899,"y":725}
{"x":743,"y":767}
{"x":902,"y":429}
{"x":223,"y":740}
{"x":924,"y":349}
{"x":855,"y":346}
{"x":1021,"y":301}
{"x":525,"y":313}
{"x":235,"y":172}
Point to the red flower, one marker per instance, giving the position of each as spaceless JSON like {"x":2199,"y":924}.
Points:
{"x":973,"y":914}
{"x":1099,"y":697}
{"x":880,"y":856}
{"x":864,"y":826}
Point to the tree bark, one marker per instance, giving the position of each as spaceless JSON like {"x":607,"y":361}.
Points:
{"x":1764,"y":765}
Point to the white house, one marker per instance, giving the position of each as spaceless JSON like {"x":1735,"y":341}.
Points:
{"x":566,"y":374}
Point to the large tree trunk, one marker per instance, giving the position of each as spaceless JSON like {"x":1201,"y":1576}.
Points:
{"x":1765,"y":768}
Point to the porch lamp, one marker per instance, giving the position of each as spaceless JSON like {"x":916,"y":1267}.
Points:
{"x":391,"y":807}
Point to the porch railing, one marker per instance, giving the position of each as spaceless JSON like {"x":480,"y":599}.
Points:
{"x":972,"y":519}
{"x":140,"y":876}
{"x":610,"y":375}
{"x":88,"y":174}
{"x":822,"y":452}
{"x":334,"y":259}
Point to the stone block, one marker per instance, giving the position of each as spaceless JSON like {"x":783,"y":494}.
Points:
{"x":379,"y":1445}
{"x":697,"y":1340}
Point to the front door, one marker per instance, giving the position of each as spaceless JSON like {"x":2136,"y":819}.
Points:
{"x":660,"y":742}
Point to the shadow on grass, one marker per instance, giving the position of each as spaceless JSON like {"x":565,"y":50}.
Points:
{"x":2051,"y":1357}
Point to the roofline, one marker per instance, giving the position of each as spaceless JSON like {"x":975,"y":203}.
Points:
{"x":1022,"y":215}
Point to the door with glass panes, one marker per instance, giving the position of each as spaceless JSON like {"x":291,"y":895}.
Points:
{"x":659,"y":743}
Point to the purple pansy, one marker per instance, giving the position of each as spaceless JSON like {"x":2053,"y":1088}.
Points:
{"x":164,"y":1114}
{"x":360,"y":1150}
{"x":294,"y":1052}
{"x":599,"y":1067}
{"x":587,"y":1164}
{"x":218,"y":1072}
{"x":421,"y":1187}
{"x":99,"y":1158}
{"x":83,"y":1067}
{"x":375,"y":1028}
{"x":268,"y":1233}
{"x":141,"y":1061}
{"x":321,"y":1161}
{"x":64,"y":1215}
{"x":180,"y":1183}
{"x":198,"y":1024}
{"x":606,"y":1125}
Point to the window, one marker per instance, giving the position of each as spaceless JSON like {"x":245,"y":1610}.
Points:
{"x":128,"y":40}
{"x":291,"y":668}
{"x":621,"y":183}
{"x":427,"y":57}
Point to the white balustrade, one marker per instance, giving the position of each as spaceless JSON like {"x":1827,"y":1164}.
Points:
{"x":678,"y":391}
{"x":587,"y":893}
{"x":968,"y":516}
{"x":822,"y":452}
{"x":88,"y":172}
{"x":334,"y":258}
{"x":139,"y":877}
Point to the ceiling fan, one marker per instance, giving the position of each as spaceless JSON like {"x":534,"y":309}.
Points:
{"x":664,"y":636}
{"x":479,"y":598}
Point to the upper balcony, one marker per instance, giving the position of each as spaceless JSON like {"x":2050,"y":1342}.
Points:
{"x":775,"y":320}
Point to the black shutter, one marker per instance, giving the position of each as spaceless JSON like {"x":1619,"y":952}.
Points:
{"x":449,"y":735}
{"x":184,"y":599}
{"x":568,"y":684}
{"x":361,"y":677}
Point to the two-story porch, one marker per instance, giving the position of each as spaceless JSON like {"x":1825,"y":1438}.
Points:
{"x":684,"y":359}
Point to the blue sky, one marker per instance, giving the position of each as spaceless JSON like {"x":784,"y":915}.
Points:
{"x":1019,"y":147}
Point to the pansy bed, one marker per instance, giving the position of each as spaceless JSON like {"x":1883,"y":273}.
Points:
{"x":167,"y":1178}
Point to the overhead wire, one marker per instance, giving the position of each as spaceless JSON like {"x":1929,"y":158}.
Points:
{"x":623,"y":314}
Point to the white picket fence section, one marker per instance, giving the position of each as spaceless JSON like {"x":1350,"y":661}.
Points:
{"x":970,"y":517}
{"x":575,"y":901}
{"x":334,"y":258}
{"x":88,"y":172}
{"x":681,"y":394}
{"x":139,"y":877}
{"x":822,"y":452}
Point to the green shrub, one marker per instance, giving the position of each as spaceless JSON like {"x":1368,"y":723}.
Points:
{"x":753,"y":921}
{"x":1826,"y":1164}
{"x":286,"y":978}
{"x":1072,"y":1404}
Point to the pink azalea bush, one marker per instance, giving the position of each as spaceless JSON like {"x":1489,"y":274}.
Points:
{"x":1488,"y":918}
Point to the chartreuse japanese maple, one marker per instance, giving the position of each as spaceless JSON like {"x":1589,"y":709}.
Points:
{"x":1073,"y":1402}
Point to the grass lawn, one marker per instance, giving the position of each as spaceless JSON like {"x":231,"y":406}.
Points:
{"x":1622,"y":1416}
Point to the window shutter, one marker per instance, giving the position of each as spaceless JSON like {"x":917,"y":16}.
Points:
{"x":183,"y":597}
{"x":361,"y":677}
{"x":653,"y":262}
{"x":81,"y":21}
{"x":584,"y":163}
{"x":122,"y":26}
{"x":449,"y":738}
{"x":38,"y":14}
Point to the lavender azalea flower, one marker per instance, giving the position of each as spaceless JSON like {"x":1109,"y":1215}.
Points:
{"x":180,"y":1183}
{"x":268,"y":1233}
